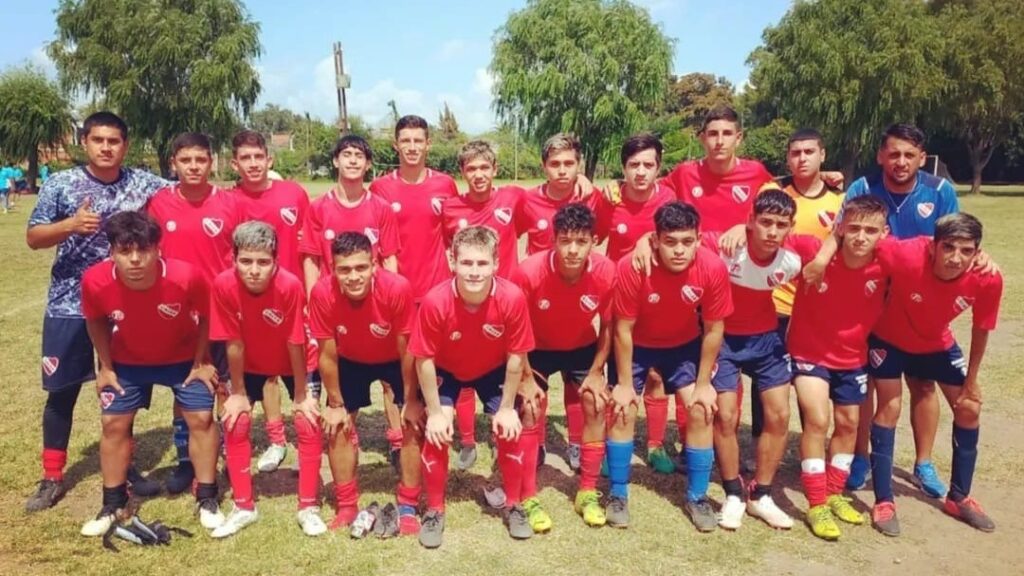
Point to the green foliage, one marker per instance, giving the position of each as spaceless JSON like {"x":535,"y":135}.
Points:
{"x":447,"y":125}
{"x":691,"y":96}
{"x":34,"y":112}
{"x":272,"y":119}
{"x":592,"y":67}
{"x":768,"y":144}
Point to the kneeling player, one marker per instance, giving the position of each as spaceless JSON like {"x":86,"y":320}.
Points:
{"x":361,"y":315}
{"x":257,"y":311}
{"x":148,"y":319}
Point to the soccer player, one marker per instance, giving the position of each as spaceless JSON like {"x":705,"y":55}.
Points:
{"x":69,"y":213}
{"x":5,"y":188}
{"x":657,"y":327}
{"x":566,"y":287}
{"x":932,"y":284}
{"x":149,"y":321}
{"x":475,"y":331}
{"x":362,"y":315}
{"x":257,"y":311}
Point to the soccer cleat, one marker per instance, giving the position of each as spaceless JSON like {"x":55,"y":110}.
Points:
{"x":181,"y":479}
{"x":588,"y":505}
{"x":542,"y":454}
{"x":860,"y":473}
{"x":927,"y":479}
{"x":48,"y":493}
{"x":310,"y":521}
{"x":539,"y":520}
{"x":969,"y":511}
{"x":702,"y":514}
{"x":574,"y":457}
{"x":617,"y":514}
{"x":140,"y":485}
{"x":408,"y":521}
{"x":344,"y":517}
{"x":99,"y":525}
{"x":210,"y":516}
{"x":822,"y":523}
{"x":842,"y":509}
{"x":238,"y":518}
{"x":467,"y":457}
{"x":518,"y":525}
{"x":883,"y":518}
{"x":495,"y":496}
{"x":432,"y":531}
{"x":766,"y":509}
{"x":271,"y":458}
{"x":659,"y":460}
{"x":731,"y":516}
{"x":387,"y":523}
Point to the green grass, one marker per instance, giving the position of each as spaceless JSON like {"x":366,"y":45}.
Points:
{"x":660,"y":540}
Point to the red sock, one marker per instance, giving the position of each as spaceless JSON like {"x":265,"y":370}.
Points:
{"x":239,"y":457}
{"x":836,"y":479}
{"x":590,"y":464}
{"x":682,"y":415}
{"x":54,"y":461}
{"x":275,"y":431}
{"x":465,"y":414}
{"x":394,"y":436}
{"x":310,"y":450}
{"x":434,"y":466}
{"x":573,"y":413}
{"x":346,"y":494}
{"x":542,"y":425}
{"x":511,"y":461}
{"x":408,"y":495}
{"x":657,"y":420}
{"x":529,"y":441}
{"x":814,"y":487}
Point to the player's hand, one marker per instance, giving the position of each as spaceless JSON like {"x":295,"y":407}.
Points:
{"x":732,"y":240}
{"x":983,"y":264}
{"x":584,"y":187}
{"x":704,"y":395}
{"x":833,"y":179}
{"x":439,"y":429}
{"x":106,"y":378}
{"x":234,"y":406}
{"x":506,"y":424}
{"x":205,"y":373}
{"x":85,"y":221}
{"x":814,"y":272}
{"x":643,"y":257}
{"x":532,"y":394}
{"x":336,"y":420}
{"x":623,"y":396}
{"x":596,"y":385}
{"x":308,"y":406}
{"x":412,"y":414}
{"x":968,"y":393}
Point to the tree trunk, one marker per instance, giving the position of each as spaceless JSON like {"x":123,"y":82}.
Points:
{"x":848,"y":166}
{"x":979,"y":152}
{"x":591,"y":166}
{"x":33,"y":170}
{"x":165,"y":165}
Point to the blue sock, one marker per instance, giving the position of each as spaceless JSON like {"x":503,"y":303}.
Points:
{"x":619,"y":456}
{"x":883,"y":443}
{"x":965,"y":454}
{"x":699,"y":462}
{"x":181,"y":439}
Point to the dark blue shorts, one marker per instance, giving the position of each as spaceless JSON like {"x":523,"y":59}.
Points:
{"x":886,"y":361}
{"x":488,"y":387}
{"x":67,"y":353}
{"x":219,"y":358}
{"x":356,"y":378}
{"x":573,"y":364}
{"x":677,"y":366}
{"x":845,"y":387}
{"x":254,"y":385}
{"x":138,"y":381}
{"x":763,"y":357}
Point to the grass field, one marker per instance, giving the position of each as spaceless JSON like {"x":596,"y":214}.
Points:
{"x":659,"y":541}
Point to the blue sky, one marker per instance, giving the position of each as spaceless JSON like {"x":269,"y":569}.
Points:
{"x":419,"y":53}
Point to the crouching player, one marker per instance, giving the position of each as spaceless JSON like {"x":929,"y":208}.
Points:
{"x":148,"y":319}
{"x":657,"y":328}
{"x":361,"y":315}
{"x":566,"y":287}
{"x":257,"y":311}
{"x":475,"y":332}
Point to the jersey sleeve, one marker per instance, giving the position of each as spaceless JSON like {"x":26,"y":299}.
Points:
{"x":404,"y":311}
{"x":199,"y":294}
{"x":296,"y":321}
{"x":224,"y":324}
{"x":602,"y":216}
{"x":947,"y":200}
{"x":320,"y":325}
{"x":426,"y":331}
{"x":626,"y":292}
{"x":805,"y":245}
{"x":91,"y":307}
{"x":718,"y":304}
{"x":607,"y":276}
{"x":520,"y":336}
{"x":47,"y":209}
{"x":390,"y":244}
{"x":986,"y":308}
{"x":309,"y":243}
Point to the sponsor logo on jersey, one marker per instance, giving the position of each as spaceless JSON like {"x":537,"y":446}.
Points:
{"x":106,"y":399}
{"x":169,"y":311}
{"x":963,"y":303}
{"x":862,"y":380}
{"x":870,"y":287}
{"x":653,"y":298}
{"x":621,"y":228}
{"x":823,"y":287}
{"x":213,"y":226}
{"x":372,"y":233}
{"x":171,"y":225}
{"x":697,"y":192}
{"x":341,"y":329}
{"x":544,"y":304}
{"x":877,"y":356}
{"x":542,"y":224}
{"x":740,"y":193}
{"x":289,"y":215}
{"x":925,"y":209}
{"x":435,"y":205}
{"x":692,"y":294}
{"x":116,"y":316}
{"x":455,"y":336}
{"x":50,"y":365}
{"x":396,"y":207}
{"x":588,"y":302}
{"x":463,"y":223}
{"x":494,"y":331}
{"x":329,"y":234}
{"x":273,"y":317}
{"x":804,"y":367}
{"x":916,"y":297}
{"x":380,"y":330}
{"x":826,"y":218}
{"x":503,"y":215}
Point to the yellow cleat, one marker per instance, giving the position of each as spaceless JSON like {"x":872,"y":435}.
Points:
{"x":536,"y":516}
{"x":842,"y":509}
{"x":823,"y":525}
{"x":588,"y":505}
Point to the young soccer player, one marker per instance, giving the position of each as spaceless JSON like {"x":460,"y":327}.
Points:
{"x":149,"y":321}
{"x":475,"y":332}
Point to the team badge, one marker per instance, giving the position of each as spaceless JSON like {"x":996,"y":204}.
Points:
{"x":503,"y":215}
{"x":916,"y":298}
{"x":329,"y":234}
{"x":463,"y":223}
{"x":925,"y":209}
{"x":804,"y":367}
{"x":544,"y":304}
{"x":435,"y":205}
{"x":869,"y":287}
{"x":212,"y":226}
{"x":963,"y":303}
{"x":777,"y":278}
{"x":106,"y":399}
{"x":740,"y":193}
{"x":653,"y":298}
{"x":877,"y":356}
{"x":542,"y":224}
{"x":169,"y":311}
{"x":171,"y":225}
{"x":826,"y":218}
{"x":692,"y":294}
{"x":621,"y":228}
{"x":380,"y":330}
{"x":588,"y":302}
{"x":116,"y":316}
{"x":273,"y":317}
{"x":341,"y":329}
{"x":494,"y":331}
{"x":823,"y":287}
{"x":50,"y":365}
{"x":373,"y":234}
{"x":289,"y":215}
{"x":697,"y":192}
{"x":396,"y":207}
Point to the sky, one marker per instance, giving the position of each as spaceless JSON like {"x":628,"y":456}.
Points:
{"x":420,"y":54}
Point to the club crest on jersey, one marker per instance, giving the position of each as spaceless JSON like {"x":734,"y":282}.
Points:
{"x":396,"y":207}
{"x":804,"y":367}
{"x":455,"y":336}
{"x":544,"y":304}
{"x":963,"y":303}
{"x":106,"y":399}
{"x":877,"y":356}
{"x":697,"y":192}
{"x":777,"y":278}
{"x":542,"y":224}
{"x":494,"y":331}
{"x":212,"y":226}
{"x":870,"y":287}
{"x":171,"y":226}
{"x":692,"y":294}
{"x":380,"y":330}
{"x":503,"y":215}
{"x":435,"y":205}
{"x":653,"y":298}
{"x":826,"y":218}
{"x":341,"y":329}
{"x":588,"y":302}
{"x":329,"y":234}
{"x":289,"y":215}
{"x":273,"y":317}
{"x":740,"y":193}
{"x":169,"y":311}
{"x":372,"y":233}
{"x":50,"y":365}
{"x":916,"y":298}
{"x":116,"y":316}
{"x":925,"y":209}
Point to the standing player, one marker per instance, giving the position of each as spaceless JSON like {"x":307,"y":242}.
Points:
{"x":657,"y":327}
{"x":566,"y":287}
{"x":69,"y":213}
{"x":257,"y":312}
{"x":149,"y":321}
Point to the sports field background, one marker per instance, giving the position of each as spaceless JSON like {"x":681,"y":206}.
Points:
{"x":660,"y":540}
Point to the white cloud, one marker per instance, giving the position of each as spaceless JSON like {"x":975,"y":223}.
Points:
{"x":41,"y":60}
{"x":483,"y":80}
{"x":660,"y":6}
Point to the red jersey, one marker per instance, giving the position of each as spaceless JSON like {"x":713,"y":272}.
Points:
{"x":921,"y":307}
{"x":327,"y":219}
{"x":283,"y":206}
{"x":665,"y":305}
{"x":722,"y":201}
{"x":624,"y":221}
{"x":265,"y":323}
{"x":498,"y":213}
{"x":151,"y":327}
{"x":365,"y":331}
{"x":562,"y":314}
{"x":470,"y":343}
{"x":536,"y":216}
{"x":417,"y":209}
{"x":197,"y":232}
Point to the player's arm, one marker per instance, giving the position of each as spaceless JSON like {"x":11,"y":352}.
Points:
{"x":814,"y":271}
{"x":84,"y":221}
{"x":506,"y":423}
{"x":971,"y":390}
{"x":623,"y":394}
{"x":238,"y":402}
{"x":594,"y":382}
{"x":335,"y":416}
{"x":310,"y":272}
{"x":202,"y":369}
{"x":99,"y":332}
{"x":390,"y":263}
{"x":643,"y":254}
{"x":439,"y":428}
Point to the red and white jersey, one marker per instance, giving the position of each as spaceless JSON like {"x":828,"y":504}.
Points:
{"x":469,"y":343}
{"x":417,"y":209}
{"x":265,"y":323}
{"x":283,"y":206}
{"x":498,"y":213}
{"x":722,"y":201}
{"x":328,"y":218}
{"x":623,"y":221}
{"x":536,"y":216}
{"x":364,"y":331}
{"x":665,"y":305}
{"x":151,"y":327}
{"x":921,"y":307}
{"x":197,"y":232}
{"x":562,"y":314}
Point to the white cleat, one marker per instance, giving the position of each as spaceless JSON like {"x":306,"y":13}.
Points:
{"x":210,"y":516}
{"x":99,"y":525}
{"x":766,"y":509}
{"x":731,"y":516}
{"x":271,"y":458}
{"x":238,"y":519}
{"x":310,"y":521}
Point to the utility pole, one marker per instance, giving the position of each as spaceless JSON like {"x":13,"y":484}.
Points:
{"x":343,"y":82}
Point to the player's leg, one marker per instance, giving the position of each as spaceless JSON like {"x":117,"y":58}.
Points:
{"x":574,"y":422}
{"x":407,"y":521}
{"x":592,"y":451}
{"x":392,"y":424}
{"x":238,"y":458}
{"x":924,"y":420}
{"x":860,"y":470}
{"x":277,"y":449}
{"x":197,"y":403}
{"x":966,"y":425}
{"x":434,"y":466}
{"x":531,"y":446}
{"x":309,"y":437}
{"x":883,"y":439}
{"x":847,"y":391}
{"x":770,"y":367}
{"x":656,"y":411}
{"x":812,"y":392}
{"x":465,"y":413}
{"x":115,"y":456}
{"x":621,"y":431}
{"x":343,"y":458}
{"x":726,"y":380}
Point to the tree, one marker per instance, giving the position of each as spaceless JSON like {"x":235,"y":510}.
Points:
{"x":272,"y":119}
{"x":851,"y":68}
{"x":33,"y":112}
{"x":592,"y":67}
{"x":691,"y":96}
{"x":167,"y":66}
{"x":447,"y":125}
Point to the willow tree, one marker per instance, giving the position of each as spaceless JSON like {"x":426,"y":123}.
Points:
{"x":34,"y":113}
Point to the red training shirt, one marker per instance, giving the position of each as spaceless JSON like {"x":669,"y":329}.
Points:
{"x":624,"y":221}
{"x":327,"y":219}
{"x":536,"y":216}
{"x":722,"y":201}
{"x":283,"y":205}
{"x":197,"y":232}
{"x":498,"y":213}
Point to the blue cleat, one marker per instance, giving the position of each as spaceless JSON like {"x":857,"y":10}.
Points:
{"x":927,"y":479}
{"x":860,"y":473}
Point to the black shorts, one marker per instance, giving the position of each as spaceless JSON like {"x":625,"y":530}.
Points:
{"x":573,"y":364}
{"x":67,"y":353}
{"x":254,"y":385}
{"x":356,"y":378}
{"x":488,"y":387}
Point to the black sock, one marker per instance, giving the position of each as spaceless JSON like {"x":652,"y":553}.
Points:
{"x":205,"y":491}
{"x":116,"y":497}
{"x":761,"y":490}
{"x":733,"y":487}
{"x":58,"y":414}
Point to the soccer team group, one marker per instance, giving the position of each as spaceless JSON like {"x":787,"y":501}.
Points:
{"x":714,"y":271}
